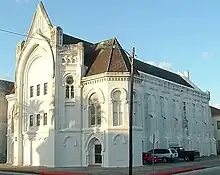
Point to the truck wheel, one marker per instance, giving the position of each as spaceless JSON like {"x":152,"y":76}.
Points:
{"x":186,"y":158}
{"x":164,"y":160}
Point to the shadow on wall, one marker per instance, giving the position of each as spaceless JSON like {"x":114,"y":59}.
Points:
{"x":39,"y":147}
{"x":34,"y":106}
{"x":38,"y":136}
{"x":71,"y":148}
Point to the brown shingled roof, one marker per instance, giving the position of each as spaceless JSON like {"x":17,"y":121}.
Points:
{"x":109,"y":56}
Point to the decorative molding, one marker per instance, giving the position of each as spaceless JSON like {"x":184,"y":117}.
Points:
{"x":176,"y":87}
{"x":123,"y":92}
{"x":99,"y":92}
{"x":70,"y":137}
{"x":122,"y":138}
{"x":90,"y":136}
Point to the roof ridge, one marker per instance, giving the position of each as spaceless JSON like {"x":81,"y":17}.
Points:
{"x":110,"y":60}
{"x":157,"y":67}
{"x":122,"y":50}
{"x":69,"y":35}
{"x":113,"y":38}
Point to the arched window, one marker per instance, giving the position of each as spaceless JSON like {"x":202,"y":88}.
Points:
{"x":135,"y":109}
{"x":94,"y":110}
{"x":69,"y":92}
{"x":117,"y":108}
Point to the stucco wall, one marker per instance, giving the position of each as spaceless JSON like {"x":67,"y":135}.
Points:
{"x":216,"y":130}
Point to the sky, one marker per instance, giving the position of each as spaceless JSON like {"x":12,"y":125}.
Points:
{"x":178,"y":35}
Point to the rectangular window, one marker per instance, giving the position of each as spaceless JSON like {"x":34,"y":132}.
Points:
{"x":162,"y":106}
{"x":31,"y":120}
{"x":194,"y":108}
{"x":117,"y":114}
{"x":218,"y":124}
{"x":184,"y":109}
{"x":45,"y":118}
{"x":38,"y":119}
{"x":31,"y":91}
{"x":93,"y":115}
{"x":45,"y":88}
{"x":38,"y":89}
{"x":174,"y":108}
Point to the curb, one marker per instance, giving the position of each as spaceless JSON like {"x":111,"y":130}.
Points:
{"x":176,"y":171}
{"x":60,"y":173}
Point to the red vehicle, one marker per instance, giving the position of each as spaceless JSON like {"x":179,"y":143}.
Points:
{"x":148,"y":158}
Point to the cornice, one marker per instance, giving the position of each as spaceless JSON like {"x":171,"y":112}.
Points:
{"x":109,"y":77}
{"x":177,"y":88}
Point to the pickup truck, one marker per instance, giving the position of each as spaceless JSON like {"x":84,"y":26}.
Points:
{"x":186,"y":155}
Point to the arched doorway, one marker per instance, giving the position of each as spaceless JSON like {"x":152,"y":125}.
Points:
{"x":95,"y":152}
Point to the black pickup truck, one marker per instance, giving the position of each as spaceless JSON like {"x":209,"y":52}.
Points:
{"x":186,"y":155}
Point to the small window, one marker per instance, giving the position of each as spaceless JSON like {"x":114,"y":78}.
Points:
{"x":69,"y":88}
{"x":218,"y":124}
{"x":38,"y":119}
{"x":31,"y":91}
{"x":45,"y":118}
{"x":38,"y":89}
{"x":45,"y":88}
{"x":31,"y":120}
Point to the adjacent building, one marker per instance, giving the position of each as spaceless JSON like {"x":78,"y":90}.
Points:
{"x":71,"y":103}
{"x":5,"y":88}
{"x":216,"y":123}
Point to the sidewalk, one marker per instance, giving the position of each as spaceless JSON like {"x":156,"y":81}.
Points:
{"x":203,"y":162}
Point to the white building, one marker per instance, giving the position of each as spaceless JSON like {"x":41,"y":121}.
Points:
{"x":5,"y":88}
{"x":71,"y":103}
{"x":216,"y":125}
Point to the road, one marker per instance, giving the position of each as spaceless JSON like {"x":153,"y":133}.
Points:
{"x":208,"y":171}
{"x":11,"y":173}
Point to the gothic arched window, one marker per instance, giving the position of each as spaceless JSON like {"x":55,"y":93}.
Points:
{"x":117,"y":108}
{"x":69,"y":87}
{"x":94,"y":110}
{"x":135,"y":109}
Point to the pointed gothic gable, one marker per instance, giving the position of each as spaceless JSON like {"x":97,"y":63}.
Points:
{"x":40,"y":21}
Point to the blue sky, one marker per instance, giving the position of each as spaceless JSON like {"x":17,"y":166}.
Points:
{"x":180,"y":35}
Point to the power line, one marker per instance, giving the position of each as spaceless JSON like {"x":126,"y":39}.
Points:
{"x":15,"y":33}
{"x":19,"y":34}
{"x":104,"y":44}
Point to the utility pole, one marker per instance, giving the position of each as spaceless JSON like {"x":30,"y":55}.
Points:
{"x":131,"y":112}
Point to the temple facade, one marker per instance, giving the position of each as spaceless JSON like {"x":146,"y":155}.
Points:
{"x":71,"y":103}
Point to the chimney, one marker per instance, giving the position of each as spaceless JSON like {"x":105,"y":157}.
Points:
{"x":186,"y":74}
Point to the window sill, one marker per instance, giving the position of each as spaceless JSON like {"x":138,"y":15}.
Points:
{"x":93,"y":128}
{"x":70,"y":102}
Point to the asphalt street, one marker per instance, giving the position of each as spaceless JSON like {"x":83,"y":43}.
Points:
{"x":208,"y":171}
{"x":11,"y":173}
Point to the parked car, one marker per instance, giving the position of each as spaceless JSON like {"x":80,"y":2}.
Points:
{"x":148,"y":158}
{"x":186,"y":155}
{"x":167,"y":155}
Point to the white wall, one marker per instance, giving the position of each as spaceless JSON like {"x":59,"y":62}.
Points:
{"x":215,"y":119}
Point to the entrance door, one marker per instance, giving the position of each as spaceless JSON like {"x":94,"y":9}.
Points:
{"x":98,"y":156}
